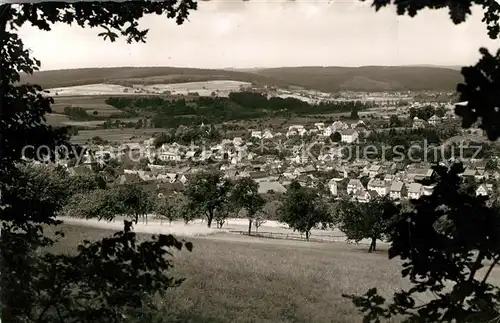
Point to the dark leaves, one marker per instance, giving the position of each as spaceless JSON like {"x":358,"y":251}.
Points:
{"x":459,"y":10}
{"x":480,"y":91}
{"x":106,"y":277}
{"x":443,"y":241}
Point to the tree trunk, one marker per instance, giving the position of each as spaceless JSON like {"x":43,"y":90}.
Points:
{"x":210,"y":217}
{"x":373,"y":245}
{"x":146,"y":218}
{"x":307,"y":235}
{"x":250,"y":221}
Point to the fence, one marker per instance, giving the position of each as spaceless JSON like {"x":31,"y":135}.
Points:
{"x":292,"y":236}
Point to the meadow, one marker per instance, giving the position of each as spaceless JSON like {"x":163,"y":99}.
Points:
{"x":244,"y":279}
{"x":122,"y":135}
{"x":236,"y":278}
{"x":90,"y":103}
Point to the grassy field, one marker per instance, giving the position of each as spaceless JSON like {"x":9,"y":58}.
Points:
{"x":116,"y":135}
{"x":89,"y":103}
{"x":244,"y":279}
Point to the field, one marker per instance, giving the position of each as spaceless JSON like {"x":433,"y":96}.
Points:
{"x":122,"y":135}
{"x":240,"y":279}
{"x":232,"y":278}
{"x":85,"y":101}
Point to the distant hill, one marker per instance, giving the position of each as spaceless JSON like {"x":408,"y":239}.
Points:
{"x":140,"y":75}
{"x":326,"y":79}
{"x":366,"y":78}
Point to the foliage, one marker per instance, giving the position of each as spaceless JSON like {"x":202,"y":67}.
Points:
{"x":207,"y":194}
{"x":479,"y":92}
{"x":109,"y":276}
{"x":443,"y":241}
{"x":245,"y":195}
{"x":364,"y":220}
{"x":303,"y":209}
{"x":28,"y":280}
{"x":394,"y":121}
{"x":134,"y":200}
{"x":336,"y":137}
{"x":172,"y":113}
{"x":168,"y":207}
{"x":445,"y":238}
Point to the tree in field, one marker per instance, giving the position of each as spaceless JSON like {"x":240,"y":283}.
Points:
{"x":97,"y":284}
{"x":245,"y":195}
{"x":364,"y":220}
{"x":101,"y":204}
{"x":133,"y":200}
{"x":336,"y":137}
{"x":167,"y":208}
{"x":354,"y":114}
{"x":303,"y":210}
{"x":208,"y":193}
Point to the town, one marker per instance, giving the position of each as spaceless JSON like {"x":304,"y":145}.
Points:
{"x":315,"y":155}
{"x":250,"y":161}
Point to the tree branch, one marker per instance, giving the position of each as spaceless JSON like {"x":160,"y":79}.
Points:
{"x":495,"y":262}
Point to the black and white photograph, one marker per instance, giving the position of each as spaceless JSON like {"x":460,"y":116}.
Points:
{"x":258,"y":161}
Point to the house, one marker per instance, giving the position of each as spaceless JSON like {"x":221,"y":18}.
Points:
{"x":258,"y":176}
{"x":291,"y":133}
{"x":328,"y":131}
{"x":417,"y":174}
{"x":354,"y":185}
{"x":363,"y":196}
{"x":480,"y":175}
{"x":396,"y":190}
{"x":469,"y":173}
{"x":349,"y":136}
{"x":256,"y":134}
{"x":267,"y":134}
{"x":357,"y":124}
{"x":418,"y":123}
{"x":319,"y":125}
{"x":414,"y":191}
{"x":379,"y":186}
{"x":237,"y":141}
{"x":427,"y":190}
{"x":374,"y":170}
{"x":483,"y":190}
{"x":434,"y":120}
{"x":333,"y":187}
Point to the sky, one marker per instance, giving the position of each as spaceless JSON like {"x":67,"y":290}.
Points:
{"x":273,"y":33}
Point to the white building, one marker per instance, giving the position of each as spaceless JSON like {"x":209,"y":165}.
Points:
{"x":319,"y":125}
{"x":349,"y":136}
{"x":396,"y":190}
{"x":354,"y":185}
{"x":414,"y":191}
{"x":267,"y":134}
{"x":257,"y":134}
{"x":434,"y":120}
{"x":378,"y":186}
{"x":333,"y":186}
